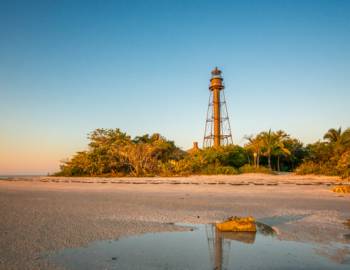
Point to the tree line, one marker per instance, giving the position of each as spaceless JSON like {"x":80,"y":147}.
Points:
{"x":112,"y":152}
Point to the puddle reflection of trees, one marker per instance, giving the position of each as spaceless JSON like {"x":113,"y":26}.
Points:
{"x":219,"y":243}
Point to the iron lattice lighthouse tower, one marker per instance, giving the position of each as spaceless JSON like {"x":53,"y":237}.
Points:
{"x":217,"y":126}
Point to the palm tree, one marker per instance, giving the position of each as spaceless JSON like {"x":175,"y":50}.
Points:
{"x":346,"y":137}
{"x":254,"y":145}
{"x":338,"y":139}
{"x":273,"y":144}
{"x":333,"y":135}
{"x":268,"y":140}
{"x":279,"y":146}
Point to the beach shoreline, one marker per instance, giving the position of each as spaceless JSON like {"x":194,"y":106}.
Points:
{"x":41,"y":216}
{"x":245,"y":178}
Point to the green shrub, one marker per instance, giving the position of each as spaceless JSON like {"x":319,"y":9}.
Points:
{"x":251,"y":169}
{"x":343,"y":165}
{"x":234,"y":156}
{"x":213,"y":169}
{"x":310,"y":167}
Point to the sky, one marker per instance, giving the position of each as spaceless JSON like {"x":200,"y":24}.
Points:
{"x":69,"y":67}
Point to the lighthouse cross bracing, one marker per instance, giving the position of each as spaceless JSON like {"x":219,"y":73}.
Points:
{"x":217,"y":126}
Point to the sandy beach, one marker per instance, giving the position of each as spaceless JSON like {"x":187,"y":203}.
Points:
{"x":41,"y":215}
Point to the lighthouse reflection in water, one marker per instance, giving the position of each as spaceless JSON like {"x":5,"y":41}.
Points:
{"x":219,"y":243}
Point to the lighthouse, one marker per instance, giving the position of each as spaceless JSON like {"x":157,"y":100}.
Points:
{"x":217,"y":126}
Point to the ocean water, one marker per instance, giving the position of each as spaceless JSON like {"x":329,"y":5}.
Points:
{"x":4,"y":176}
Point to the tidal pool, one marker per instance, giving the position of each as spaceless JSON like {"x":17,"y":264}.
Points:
{"x":203,"y":248}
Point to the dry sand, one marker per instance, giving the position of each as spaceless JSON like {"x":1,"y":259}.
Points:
{"x":44,"y":214}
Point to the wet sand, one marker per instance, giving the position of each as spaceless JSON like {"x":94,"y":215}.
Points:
{"x":44,"y":214}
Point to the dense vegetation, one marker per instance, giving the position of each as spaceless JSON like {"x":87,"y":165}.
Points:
{"x":112,"y":152}
{"x":328,"y":157}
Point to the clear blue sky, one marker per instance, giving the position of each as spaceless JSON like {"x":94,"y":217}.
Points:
{"x":68,"y":67}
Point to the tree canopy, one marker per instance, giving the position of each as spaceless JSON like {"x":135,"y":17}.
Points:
{"x":112,"y":152}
